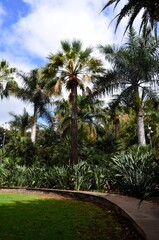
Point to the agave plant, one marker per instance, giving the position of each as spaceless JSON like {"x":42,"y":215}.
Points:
{"x":82,"y":176}
{"x":12,"y":175}
{"x":100,"y":178}
{"x":58,"y":177}
{"x":135,"y":171}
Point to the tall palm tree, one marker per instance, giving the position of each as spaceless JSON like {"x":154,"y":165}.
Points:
{"x":21,"y":122}
{"x":70,"y":67}
{"x":33,"y":91}
{"x":134,"y":72}
{"x":132,"y":8}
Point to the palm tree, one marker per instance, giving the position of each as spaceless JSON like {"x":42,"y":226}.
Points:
{"x":21,"y":122}
{"x":134,"y":73}
{"x":33,"y":91}
{"x":90,"y":117}
{"x":132,"y":8}
{"x":70,"y":67}
{"x":7,"y":82}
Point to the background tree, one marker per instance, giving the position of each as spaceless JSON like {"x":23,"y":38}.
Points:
{"x":70,"y":67}
{"x":90,"y":117}
{"x":21,"y":122}
{"x":33,"y":91}
{"x":7,"y":83}
{"x":134,"y":72}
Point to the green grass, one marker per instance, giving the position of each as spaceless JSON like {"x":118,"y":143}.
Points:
{"x":31,"y":217}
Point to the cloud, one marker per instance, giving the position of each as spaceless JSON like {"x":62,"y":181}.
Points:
{"x":49,"y":22}
{"x":11,"y":105}
{"x":25,"y":44}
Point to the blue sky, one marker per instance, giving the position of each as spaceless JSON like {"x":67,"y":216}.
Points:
{"x":32,"y":29}
{"x":14,"y":9}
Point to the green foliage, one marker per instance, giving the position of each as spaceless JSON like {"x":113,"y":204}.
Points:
{"x":21,"y":122}
{"x":135,"y":171}
{"x":21,"y":150}
{"x":35,"y":177}
{"x":100,"y":178}
{"x":58,"y":177}
{"x":12,"y":175}
{"x":135,"y":68}
{"x":82,"y":176}
{"x":132,"y":172}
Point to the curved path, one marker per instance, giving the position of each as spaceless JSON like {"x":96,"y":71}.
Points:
{"x":144,"y":218}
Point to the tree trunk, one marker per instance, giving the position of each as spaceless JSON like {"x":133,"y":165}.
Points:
{"x":116,"y":125}
{"x":33,"y":129}
{"x":74,"y":129}
{"x":140,"y":128}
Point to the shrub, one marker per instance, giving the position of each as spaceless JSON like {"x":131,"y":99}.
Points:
{"x":135,"y":171}
{"x":12,"y":175}
{"x":100,"y":178}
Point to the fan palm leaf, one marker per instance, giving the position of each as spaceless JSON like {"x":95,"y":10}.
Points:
{"x":150,"y":14}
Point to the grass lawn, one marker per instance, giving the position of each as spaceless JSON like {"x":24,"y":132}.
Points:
{"x":32,"y":217}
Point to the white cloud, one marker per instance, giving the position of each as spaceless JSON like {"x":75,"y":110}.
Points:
{"x":41,"y":31}
{"x":28,"y":42}
{"x":11,"y":105}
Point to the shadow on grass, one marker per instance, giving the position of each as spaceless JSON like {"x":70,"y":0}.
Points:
{"x":29,"y":217}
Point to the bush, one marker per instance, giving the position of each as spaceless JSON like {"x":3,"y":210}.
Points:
{"x":81,"y":176}
{"x":12,"y":175}
{"x":135,"y":171}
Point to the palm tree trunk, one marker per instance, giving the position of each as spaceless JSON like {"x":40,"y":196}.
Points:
{"x":33,"y":129}
{"x":140,"y":127}
{"x":116,"y":125}
{"x":73,"y":151}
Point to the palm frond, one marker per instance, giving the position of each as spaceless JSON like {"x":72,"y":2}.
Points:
{"x":149,"y":94}
{"x":132,"y":8}
{"x":76,"y":46}
{"x":85,"y":54}
{"x":66,"y":46}
{"x":106,"y":84}
{"x":110,"y":2}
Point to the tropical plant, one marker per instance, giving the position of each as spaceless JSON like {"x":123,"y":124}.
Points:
{"x":21,"y":122}
{"x":135,"y":171}
{"x":90,"y":117}
{"x":21,"y":150}
{"x":70,"y":67}
{"x":100,"y":178}
{"x":150,"y":14}
{"x":82,"y":176}
{"x":36,"y":177}
{"x":133,"y":75}
{"x":59,"y":177}
{"x":12,"y":175}
{"x":33,"y":91}
{"x":7,"y":83}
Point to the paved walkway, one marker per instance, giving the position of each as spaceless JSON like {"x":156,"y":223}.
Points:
{"x":146,"y":217}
